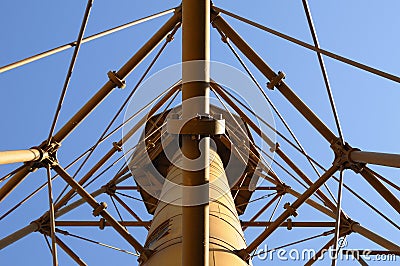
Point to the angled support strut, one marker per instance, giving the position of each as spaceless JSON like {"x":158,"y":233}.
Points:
{"x":99,"y":209}
{"x":107,"y":88}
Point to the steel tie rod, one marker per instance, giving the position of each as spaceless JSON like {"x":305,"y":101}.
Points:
{"x":107,"y":88}
{"x":313,"y":48}
{"x":84,"y":40}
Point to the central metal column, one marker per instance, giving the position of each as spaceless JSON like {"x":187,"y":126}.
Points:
{"x":195,"y":46}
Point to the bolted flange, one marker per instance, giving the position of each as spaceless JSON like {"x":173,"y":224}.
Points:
{"x":292,"y":210}
{"x":101,"y":207}
{"x":112,"y":75}
{"x":200,"y":125}
{"x":276,"y":81}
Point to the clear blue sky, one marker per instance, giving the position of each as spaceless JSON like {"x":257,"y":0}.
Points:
{"x":368,"y":106}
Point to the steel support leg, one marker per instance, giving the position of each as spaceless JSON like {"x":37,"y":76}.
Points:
{"x":266,"y":70}
{"x":34,"y":226}
{"x":383,"y":242}
{"x":278,"y":151}
{"x":13,"y":182}
{"x":99,"y":209}
{"x":381,"y":189}
{"x":121,"y":74}
{"x":385,"y":159}
{"x":290,"y":210}
{"x":17,"y":235}
{"x":20,"y":156}
{"x":116,"y":147}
